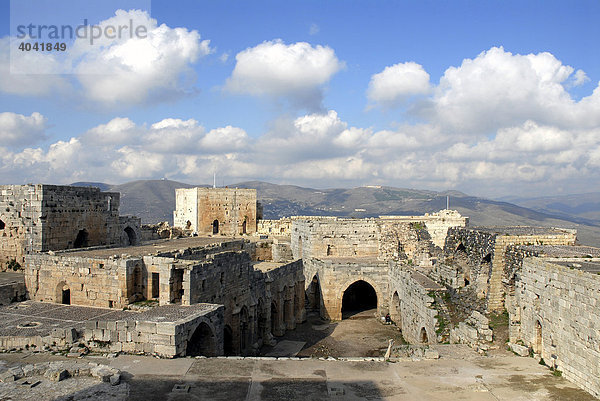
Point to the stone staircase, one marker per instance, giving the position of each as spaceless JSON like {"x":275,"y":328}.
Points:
{"x":495,"y":298}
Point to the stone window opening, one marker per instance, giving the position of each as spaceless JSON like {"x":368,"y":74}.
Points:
{"x":215,"y":227}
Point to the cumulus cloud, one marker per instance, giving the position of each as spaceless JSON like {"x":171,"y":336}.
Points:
{"x":17,"y":129}
{"x":397,"y":83}
{"x":126,"y":70}
{"x":296,"y":71}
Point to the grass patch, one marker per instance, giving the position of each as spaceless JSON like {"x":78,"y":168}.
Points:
{"x":499,"y":319}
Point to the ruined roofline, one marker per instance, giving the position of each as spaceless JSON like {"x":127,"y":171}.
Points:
{"x":521,"y":230}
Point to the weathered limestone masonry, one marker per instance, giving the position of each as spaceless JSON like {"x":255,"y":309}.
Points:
{"x":411,"y":304}
{"x":332,"y":276}
{"x":227,"y":211}
{"x":337,"y":253}
{"x":555,"y":313}
{"x":477,"y":256}
{"x":39,"y":218}
{"x":259,"y":299}
{"x":437,"y":224}
{"x":198,"y":334}
{"x":281,"y":227}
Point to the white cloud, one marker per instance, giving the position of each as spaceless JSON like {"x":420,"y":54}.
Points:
{"x":397,"y":83}
{"x":121,"y":71}
{"x":17,"y":129}
{"x":296,"y":71}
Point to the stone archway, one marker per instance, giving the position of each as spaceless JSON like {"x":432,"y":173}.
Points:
{"x":63,"y":294}
{"x":538,"y":343}
{"x":81,"y":241}
{"x":215,"y":227}
{"x":202,"y":342}
{"x":396,"y":310}
{"x":423,"y":336}
{"x":228,"y":340}
{"x":358,"y":297}
{"x":313,"y":294}
{"x":131,"y":237}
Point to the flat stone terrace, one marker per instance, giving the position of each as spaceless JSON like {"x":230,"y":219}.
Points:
{"x":563,"y":251}
{"x":30,"y":318}
{"x":151,"y":248}
{"x":590,"y":266}
{"x":521,"y":230}
{"x":267,"y":266}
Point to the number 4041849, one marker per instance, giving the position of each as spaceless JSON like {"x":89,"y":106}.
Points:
{"x":42,"y":47}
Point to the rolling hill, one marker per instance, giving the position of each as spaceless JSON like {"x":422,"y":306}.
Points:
{"x":154,"y":201}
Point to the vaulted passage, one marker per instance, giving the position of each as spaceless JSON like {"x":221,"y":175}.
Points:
{"x":202,"y":342}
{"x":82,"y":239}
{"x":358,"y":297}
{"x":131,"y":238}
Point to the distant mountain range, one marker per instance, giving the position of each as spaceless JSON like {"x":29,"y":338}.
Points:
{"x":154,"y":201}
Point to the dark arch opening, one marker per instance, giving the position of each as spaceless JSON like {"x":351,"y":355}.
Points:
{"x":461,"y":248}
{"x":188,"y":225}
{"x":63,"y":293}
{"x":274,"y":317}
{"x":243,"y":329}
{"x":215,"y":227}
{"x":313,"y":294}
{"x":202,"y":342}
{"x":227,"y":340}
{"x":358,"y":297}
{"x":424,"y":338}
{"x":538,"y":344}
{"x":244,"y":224}
{"x":487,"y":258}
{"x":82,"y":239}
{"x":395,"y":310}
{"x":2,"y":225}
{"x":131,"y":238}
{"x":261,"y":319}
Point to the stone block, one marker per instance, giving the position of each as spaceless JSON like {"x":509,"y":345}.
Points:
{"x":56,"y":374}
{"x":519,"y":349}
{"x":146,"y":327}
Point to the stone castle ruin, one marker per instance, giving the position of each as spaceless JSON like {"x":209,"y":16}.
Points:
{"x":235,"y":282}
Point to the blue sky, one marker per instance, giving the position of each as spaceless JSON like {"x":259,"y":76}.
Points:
{"x":493,"y":98}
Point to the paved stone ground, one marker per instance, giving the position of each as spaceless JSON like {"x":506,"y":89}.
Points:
{"x":459,"y":374}
{"x":11,"y":277}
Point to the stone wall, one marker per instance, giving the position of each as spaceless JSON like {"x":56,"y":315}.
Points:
{"x":477,"y":257}
{"x":411,"y":304}
{"x":38,"y":218}
{"x":85,"y":281}
{"x":226,"y":211}
{"x":164,"y":338}
{"x":12,"y":292}
{"x":555,"y":312}
{"x":281,"y":227}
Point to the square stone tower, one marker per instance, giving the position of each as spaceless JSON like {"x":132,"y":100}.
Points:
{"x":227,"y":211}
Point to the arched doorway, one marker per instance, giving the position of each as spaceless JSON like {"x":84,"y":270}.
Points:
{"x":136,"y":285}
{"x":261,"y":319}
{"x":358,"y":297}
{"x":313,"y":294}
{"x":202,"y":342}
{"x":63,"y":293}
{"x":131,"y":237}
{"x":274,"y":318}
{"x":423,"y":337}
{"x":82,"y":239}
{"x":395,"y":310}
{"x":215,"y":227}
{"x":538,"y":343}
{"x":227,"y":340}
{"x":243,"y":329}
{"x":244,"y":225}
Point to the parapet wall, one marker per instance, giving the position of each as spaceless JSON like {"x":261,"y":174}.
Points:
{"x":555,"y":312}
